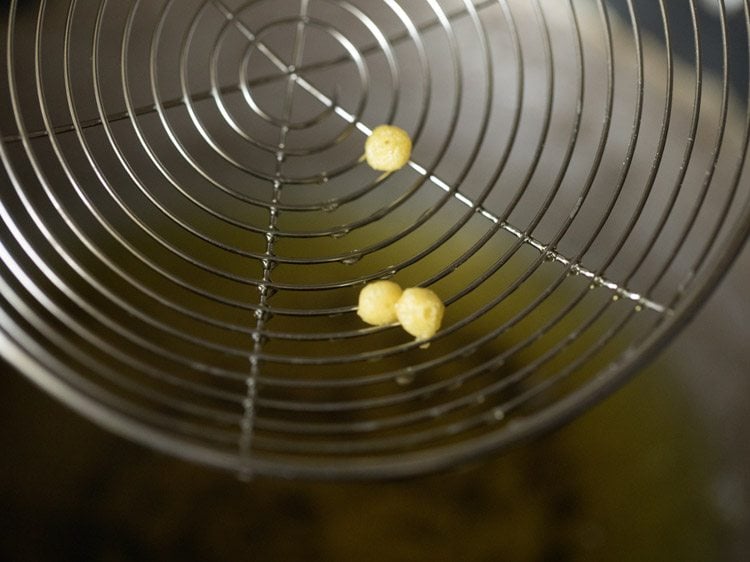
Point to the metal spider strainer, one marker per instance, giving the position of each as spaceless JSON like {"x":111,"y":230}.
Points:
{"x":185,"y":219}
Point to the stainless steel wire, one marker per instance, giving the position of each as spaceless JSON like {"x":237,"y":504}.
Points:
{"x":186,"y":218}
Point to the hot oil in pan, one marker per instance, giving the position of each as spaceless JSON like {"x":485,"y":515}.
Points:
{"x":630,"y":480}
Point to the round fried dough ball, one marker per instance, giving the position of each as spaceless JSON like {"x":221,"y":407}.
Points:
{"x":377,"y":302}
{"x":388,"y":148}
{"x":420,"y":312}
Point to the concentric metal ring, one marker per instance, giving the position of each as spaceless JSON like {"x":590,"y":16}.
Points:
{"x":186,"y":218}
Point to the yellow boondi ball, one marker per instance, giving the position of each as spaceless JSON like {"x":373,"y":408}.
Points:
{"x":420,"y":312}
{"x":376,"y":302}
{"x":388,"y":148}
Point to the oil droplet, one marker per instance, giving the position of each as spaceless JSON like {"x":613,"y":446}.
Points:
{"x":323,"y":178}
{"x":340,"y":233}
{"x":330,"y":206}
{"x":263,"y":315}
{"x":404,"y":380}
{"x":498,"y":414}
{"x":615,"y":297}
{"x":280,"y":156}
{"x":351,"y":260}
{"x":638,"y":308}
{"x":259,"y":338}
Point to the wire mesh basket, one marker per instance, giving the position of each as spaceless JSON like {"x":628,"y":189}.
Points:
{"x":186,"y":219}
